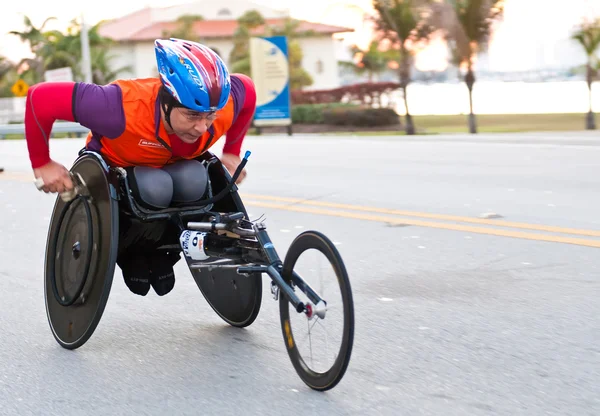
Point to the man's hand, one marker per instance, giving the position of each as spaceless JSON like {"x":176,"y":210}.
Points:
{"x":55,"y":176}
{"x":231,"y":162}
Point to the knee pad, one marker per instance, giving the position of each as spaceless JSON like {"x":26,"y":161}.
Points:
{"x":190,"y":180}
{"x":151,"y":187}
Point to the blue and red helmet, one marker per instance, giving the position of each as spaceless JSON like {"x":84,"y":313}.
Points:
{"x":193,"y":74}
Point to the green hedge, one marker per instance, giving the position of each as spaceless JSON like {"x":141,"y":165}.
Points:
{"x":363,"y":117}
{"x":343,"y":115}
{"x":313,"y":113}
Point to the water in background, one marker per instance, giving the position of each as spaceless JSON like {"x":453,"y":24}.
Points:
{"x":489,"y":97}
{"x":497,"y":97}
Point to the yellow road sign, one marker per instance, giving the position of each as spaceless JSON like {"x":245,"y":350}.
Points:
{"x":20,"y":88}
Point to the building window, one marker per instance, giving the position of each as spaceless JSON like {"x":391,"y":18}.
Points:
{"x":224,"y":12}
{"x":319,"y":67}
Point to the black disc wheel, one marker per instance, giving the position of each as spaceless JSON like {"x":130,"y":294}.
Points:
{"x":80,"y":256}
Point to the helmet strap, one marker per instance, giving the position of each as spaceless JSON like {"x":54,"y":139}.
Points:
{"x":167,"y":104}
{"x":167,"y":108}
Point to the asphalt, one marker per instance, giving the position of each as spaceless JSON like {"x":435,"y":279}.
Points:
{"x":492,"y":311}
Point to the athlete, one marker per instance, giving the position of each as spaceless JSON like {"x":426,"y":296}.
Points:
{"x":151,"y":123}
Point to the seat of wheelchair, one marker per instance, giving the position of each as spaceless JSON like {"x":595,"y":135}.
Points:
{"x":177,"y":185}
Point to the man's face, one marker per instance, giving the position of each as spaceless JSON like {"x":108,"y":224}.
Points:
{"x":189,"y":125}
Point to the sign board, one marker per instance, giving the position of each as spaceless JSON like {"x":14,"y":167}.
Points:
{"x":20,"y":88}
{"x":271,"y":77}
{"x":59,"y":75}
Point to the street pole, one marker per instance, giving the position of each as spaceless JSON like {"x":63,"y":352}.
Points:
{"x":86,"y":61}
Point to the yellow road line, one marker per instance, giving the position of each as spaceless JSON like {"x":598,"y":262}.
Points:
{"x":445,"y":217}
{"x":430,"y":224}
{"x":302,"y":205}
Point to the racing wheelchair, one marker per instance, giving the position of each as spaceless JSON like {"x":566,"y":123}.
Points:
{"x":226,"y":253}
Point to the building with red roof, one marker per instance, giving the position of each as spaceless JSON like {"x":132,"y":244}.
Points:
{"x":135,"y":33}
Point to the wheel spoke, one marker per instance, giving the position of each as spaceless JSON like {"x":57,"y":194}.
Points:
{"x":310,"y":343}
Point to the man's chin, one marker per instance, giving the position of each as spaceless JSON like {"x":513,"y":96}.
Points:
{"x":188,"y":139}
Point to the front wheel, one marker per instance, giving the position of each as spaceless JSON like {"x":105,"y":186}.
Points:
{"x":318,"y":340}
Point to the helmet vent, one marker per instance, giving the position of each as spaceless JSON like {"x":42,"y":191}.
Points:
{"x":198,"y":103}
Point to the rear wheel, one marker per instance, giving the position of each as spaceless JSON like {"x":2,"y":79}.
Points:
{"x":235,"y":298}
{"x":318,"y":340}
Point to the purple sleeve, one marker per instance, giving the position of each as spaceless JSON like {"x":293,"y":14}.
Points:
{"x":238,"y":92}
{"x":99,"y":108}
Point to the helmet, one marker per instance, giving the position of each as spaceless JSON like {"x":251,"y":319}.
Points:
{"x":193,"y":74}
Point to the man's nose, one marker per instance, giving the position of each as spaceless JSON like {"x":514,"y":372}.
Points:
{"x":201,"y":126}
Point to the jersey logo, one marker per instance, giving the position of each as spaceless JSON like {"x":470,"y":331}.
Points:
{"x":148,"y":143}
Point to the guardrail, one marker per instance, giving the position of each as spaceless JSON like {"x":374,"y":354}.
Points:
{"x":59,"y":127}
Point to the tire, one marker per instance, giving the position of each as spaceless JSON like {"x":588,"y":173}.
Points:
{"x":325,"y":380}
{"x":72,"y":324}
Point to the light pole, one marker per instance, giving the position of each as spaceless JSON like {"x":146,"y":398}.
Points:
{"x":86,"y":61}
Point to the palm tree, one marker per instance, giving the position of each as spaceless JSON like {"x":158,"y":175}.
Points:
{"x":102,"y":71}
{"x":32,"y":35}
{"x":401,"y":22}
{"x":5,"y":66}
{"x":239,"y":57}
{"x":59,"y":50}
{"x":8,"y":76}
{"x":588,"y":35}
{"x":467,"y":26}
{"x":65,"y":50}
{"x":32,"y":68}
{"x":372,"y":61}
{"x":299,"y":77}
{"x":69,"y":45}
{"x":185,"y":28}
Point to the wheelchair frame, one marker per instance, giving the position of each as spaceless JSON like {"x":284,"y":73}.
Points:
{"x":235,"y":246}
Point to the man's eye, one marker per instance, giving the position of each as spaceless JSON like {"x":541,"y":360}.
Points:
{"x":198,"y":116}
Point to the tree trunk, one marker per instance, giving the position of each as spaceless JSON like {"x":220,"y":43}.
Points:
{"x":404,"y":81}
{"x":470,"y":81}
{"x":410,"y":127}
{"x":590,"y":122}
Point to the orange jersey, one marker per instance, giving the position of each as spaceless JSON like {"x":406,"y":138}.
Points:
{"x":144,"y":141}
{"x":124,"y":118}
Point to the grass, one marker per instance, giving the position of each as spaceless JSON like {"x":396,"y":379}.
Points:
{"x":486,"y":123}
{"x":54,"y":136}
{"x":501,"y":123}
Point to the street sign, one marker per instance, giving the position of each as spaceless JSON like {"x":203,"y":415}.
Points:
{"x":271,"y":77}
{"x":20,"y":88}
{"x":59,"y":75}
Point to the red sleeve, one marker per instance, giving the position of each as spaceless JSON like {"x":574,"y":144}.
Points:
{"x":241,"y":124}
{"x":46,"y":102}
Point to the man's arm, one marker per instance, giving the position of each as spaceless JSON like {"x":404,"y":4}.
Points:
{"x":244,"y":96}
{"x":99,"y":108}
{"x":46,"y":103}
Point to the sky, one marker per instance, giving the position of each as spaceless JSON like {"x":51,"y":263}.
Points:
{"x":532,"y":33}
